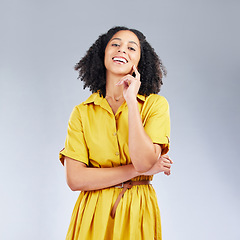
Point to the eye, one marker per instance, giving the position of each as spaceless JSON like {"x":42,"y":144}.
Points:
{"x":132,"y":49}
{"x":115,"y":45}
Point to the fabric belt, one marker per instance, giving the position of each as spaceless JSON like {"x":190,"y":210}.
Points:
{"x":125,"y":186}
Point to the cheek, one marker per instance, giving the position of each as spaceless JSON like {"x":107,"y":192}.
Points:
{"x":107,"y":62}
{"x":137,"y":59}
{"x":107,"y":55}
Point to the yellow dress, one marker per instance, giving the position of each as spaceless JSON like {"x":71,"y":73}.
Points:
{"x":99,"y":138}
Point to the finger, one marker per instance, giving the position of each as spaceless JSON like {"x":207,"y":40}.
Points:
{"x":167,"y":165}
{"x":123,"y":81}
{"x":167,"y":157}
{"x":167,"y":171}
{"x":136,"y":72}
{"x":167,"y":161}
{"x":127,"y":78}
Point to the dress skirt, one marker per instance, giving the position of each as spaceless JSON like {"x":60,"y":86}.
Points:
{"x":137,"y":215}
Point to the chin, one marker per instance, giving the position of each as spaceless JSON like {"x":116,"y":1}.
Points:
{"x":122,"y":71}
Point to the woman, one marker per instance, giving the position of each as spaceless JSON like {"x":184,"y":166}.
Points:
{"x":117,"y":139}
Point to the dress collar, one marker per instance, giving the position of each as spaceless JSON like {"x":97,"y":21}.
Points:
{"x":96,"y":99}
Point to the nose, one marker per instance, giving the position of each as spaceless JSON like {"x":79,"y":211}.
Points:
{"x":122,"y":49}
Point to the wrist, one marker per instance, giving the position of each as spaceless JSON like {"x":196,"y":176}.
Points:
{"x":131,"y":101}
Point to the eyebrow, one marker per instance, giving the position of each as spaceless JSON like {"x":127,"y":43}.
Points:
{"x":121,"y":40}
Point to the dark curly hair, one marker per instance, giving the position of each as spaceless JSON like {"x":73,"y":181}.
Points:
{"x":93,"y":72}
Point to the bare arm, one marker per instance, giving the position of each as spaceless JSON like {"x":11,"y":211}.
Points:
{"x":83,"y":178}
{"x":143,"y":152}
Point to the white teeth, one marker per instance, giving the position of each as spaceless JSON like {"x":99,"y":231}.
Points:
{"x":120,"y":59}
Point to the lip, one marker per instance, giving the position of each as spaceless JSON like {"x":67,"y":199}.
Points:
{"x":120,"y":58}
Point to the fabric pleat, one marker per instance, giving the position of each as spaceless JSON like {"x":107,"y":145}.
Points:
{"x":137,"y":215}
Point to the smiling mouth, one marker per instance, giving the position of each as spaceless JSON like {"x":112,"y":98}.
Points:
{"x":120,"y":60}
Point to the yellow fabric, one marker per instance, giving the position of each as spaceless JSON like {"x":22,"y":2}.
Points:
{"x":99,"y":138}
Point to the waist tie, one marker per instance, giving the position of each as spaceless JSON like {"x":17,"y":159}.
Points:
{"x":126,"y":185}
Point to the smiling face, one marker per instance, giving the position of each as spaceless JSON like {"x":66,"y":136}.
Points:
{"x":122,"y":52}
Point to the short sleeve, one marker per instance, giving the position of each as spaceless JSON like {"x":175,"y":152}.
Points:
{"x":157,"y":125}
{"x":75,"y":144}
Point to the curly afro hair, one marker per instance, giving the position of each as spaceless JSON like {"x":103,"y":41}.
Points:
{"x":93,"y":72}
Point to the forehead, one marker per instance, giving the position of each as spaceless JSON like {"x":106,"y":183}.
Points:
{"x":126,"y":35}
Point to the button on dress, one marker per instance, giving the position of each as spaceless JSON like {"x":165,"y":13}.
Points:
{"x":99,"y":139}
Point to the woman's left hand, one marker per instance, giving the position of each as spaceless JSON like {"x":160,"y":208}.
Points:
{"x":131,"y":85}
{"x":163,"y":164}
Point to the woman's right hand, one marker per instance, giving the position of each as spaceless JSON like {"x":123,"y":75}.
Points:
{"x":163,"y":164}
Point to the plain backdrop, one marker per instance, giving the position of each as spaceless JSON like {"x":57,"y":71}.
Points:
{"x":198,"y":42}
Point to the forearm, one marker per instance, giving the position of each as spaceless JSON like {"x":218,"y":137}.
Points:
{"x":81,"y":178}
{"x":142,"y":151}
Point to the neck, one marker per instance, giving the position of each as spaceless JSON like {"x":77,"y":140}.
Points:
{"x":112,"y":90}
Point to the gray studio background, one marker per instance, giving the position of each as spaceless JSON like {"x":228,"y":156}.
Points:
{"x":198,"y":42}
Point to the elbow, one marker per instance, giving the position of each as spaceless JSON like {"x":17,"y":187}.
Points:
{"x":75,"y":174}
{"x":74,"y":185}
{"x":143,"y":163}
{"x":143,"y":167}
